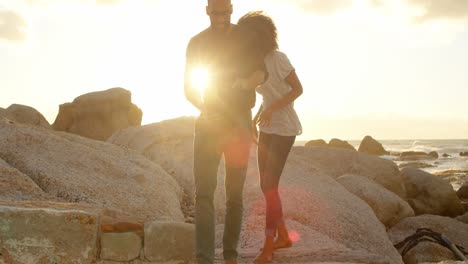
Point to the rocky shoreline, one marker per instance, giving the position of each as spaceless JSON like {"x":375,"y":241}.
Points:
{"x":118,"y":192}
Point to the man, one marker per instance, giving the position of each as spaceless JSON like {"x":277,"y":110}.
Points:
{"x":224,"y":125}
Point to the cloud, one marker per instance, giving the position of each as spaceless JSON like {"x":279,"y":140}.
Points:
{"x":323,"y":7}
{"x":12,"y":25}
{"x":45,"y":3}
{"x":442,"y":8}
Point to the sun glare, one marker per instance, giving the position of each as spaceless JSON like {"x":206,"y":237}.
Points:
{"x":200,"y":77}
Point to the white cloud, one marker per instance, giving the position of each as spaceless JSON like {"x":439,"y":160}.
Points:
{"x":12,"y":25}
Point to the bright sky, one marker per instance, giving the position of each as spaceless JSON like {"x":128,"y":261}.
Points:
{"x":393,"y":69}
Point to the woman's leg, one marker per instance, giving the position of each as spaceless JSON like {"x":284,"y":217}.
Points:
{"x":273,"y":151}
{"x":280,"y":147}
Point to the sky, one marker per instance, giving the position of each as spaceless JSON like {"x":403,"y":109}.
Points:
{"x":392,"y":69}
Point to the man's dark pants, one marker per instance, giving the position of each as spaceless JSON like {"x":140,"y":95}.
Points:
{"x":213,"y":138}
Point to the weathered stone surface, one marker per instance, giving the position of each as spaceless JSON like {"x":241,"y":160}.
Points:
{"x":462,"y":193}
{"x":168,"y":143}
{"x":169,"y":241}
{"x":371,"y":146}
{"x":316,"y":143}
{"x":98,"y":115}
{"x":387,"y":206}
{"x":25,"y":115}
{"x":337,"y":162}
{"x":454,"y":230}
{"x":120,"y":246}
{"x":314,"y":204}
{"x":429,"y":194}
{"x":463,"y":218}
{"x":337,"y":143}
{"x":15,"y":185}
{"x":48,"y":235}
{"x":76,"y":169}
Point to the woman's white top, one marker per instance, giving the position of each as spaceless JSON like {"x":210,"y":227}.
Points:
{"x":284,"y":121}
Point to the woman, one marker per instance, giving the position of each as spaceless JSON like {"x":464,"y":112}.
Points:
{"x":278,"y":124}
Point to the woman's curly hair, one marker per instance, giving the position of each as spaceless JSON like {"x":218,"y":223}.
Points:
{"x":264,"y":27}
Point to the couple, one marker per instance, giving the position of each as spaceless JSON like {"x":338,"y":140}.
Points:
{"x":241,"y":59}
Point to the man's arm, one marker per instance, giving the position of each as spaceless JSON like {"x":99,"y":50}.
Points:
{"x":251,"y":82}
{"x":192,"y":94}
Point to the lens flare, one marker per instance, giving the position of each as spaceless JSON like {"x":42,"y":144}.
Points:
{"x":200,"y":77}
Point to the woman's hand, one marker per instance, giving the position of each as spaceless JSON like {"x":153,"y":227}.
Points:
{"x":265,"y":117}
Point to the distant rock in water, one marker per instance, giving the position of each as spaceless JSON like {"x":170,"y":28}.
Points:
{"x":337,"y":143}
{"x":445,"y":155}
{"x":371,"y":146}
{"x":420,"y":165}
{"x":24,"y":114}
{"x":316,"y":143}
{"x":418,"y":155}
{"x":464,"y":154}
{"x":98,"y":115}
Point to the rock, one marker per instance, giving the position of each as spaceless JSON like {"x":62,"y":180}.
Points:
{"x":429,"y":194}
{"x":337,"y":143}
{"x":418,"y":155}
{"x":337,"y":162}
{"x":48,"y":235}
{"x":463,"y":218}
{"x":419,"y":165}
{"x":14,"y":185}
{"x":462,"y":193}
{"x":76,"y":169}
{"x":25,"y":115}
{"x":313,"y":202}
{"x":445,"y":155}
{"x":455,"y":231}
{"x":387,"y":206}
{"x":464,"y":154}
{"x":98,"y":115}
{"x":120,"y":246}
{"x":371,"y":146}
{"x":168,"y":143}
{"x":412,"y":153}
{"x":169,"y":241}
{"x":316,"y":143}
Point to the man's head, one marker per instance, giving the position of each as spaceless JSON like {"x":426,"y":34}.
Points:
{"x":220,"y":12}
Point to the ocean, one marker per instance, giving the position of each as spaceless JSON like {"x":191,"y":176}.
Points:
{"x":453,"y":168}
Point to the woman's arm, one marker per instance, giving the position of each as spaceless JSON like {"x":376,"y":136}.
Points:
{"x":296,"y":91}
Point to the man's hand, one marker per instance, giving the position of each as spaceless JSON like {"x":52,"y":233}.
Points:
{"x":265,"y":117}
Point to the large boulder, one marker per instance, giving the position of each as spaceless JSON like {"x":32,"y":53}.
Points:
{"x":75,"y":169}
{"x":98,"y":115}
{"x":371,"y":146}
{"x":462,"y":193}
{"x":316,"y":143}
{"x":314,"y":204}
{"x":429,"y":194}
{"x":47,"y":235}
{"x":338,"y":143}
{"x":337,"y":162}
{"x":25,"y":115}
{"x":168,"y":143}
{"x":388,"y":207}
{"x":16,"y":186}
{"x":455,"y":231}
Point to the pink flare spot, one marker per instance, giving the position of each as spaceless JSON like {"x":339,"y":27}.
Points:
{"x":294,"y":236}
